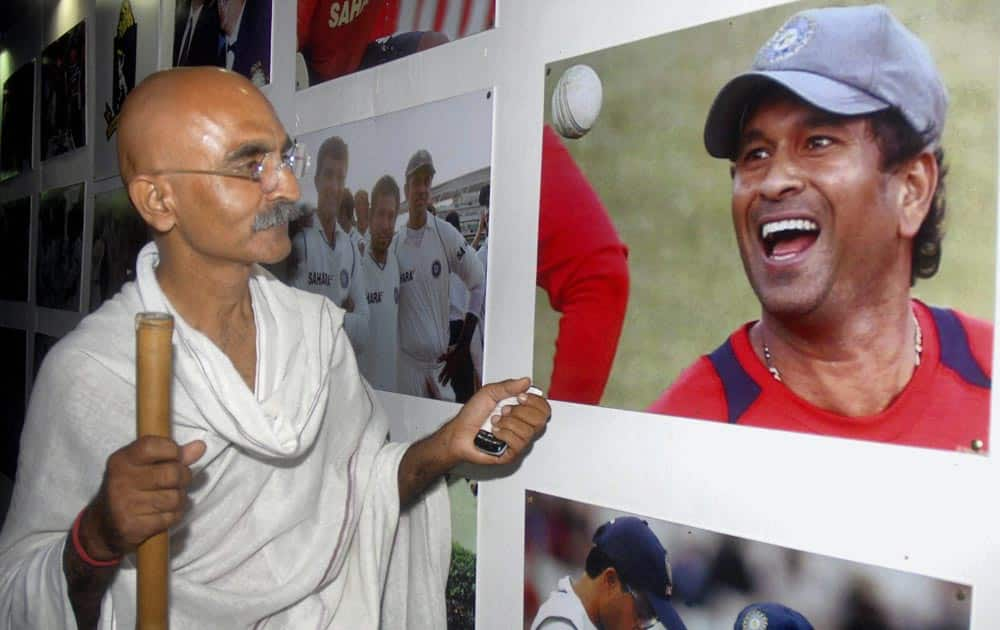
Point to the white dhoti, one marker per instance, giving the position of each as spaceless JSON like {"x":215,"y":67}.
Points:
{"x":294,"y":519}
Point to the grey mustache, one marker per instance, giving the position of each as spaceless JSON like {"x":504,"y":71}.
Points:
{"x":281,"y":213}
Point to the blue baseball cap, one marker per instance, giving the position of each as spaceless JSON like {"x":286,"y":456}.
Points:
{"x":770,"y":616}
{"x":642,"y":563}
{"x":845,"y":60}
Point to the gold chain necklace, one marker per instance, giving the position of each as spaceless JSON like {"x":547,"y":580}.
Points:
{"x":918,"y":349}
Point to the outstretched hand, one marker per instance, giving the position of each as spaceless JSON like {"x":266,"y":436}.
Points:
{"x":454,"y":443}
{"x":517,"y":425}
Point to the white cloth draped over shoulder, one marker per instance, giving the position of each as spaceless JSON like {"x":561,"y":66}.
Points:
{"x":294,"y":519}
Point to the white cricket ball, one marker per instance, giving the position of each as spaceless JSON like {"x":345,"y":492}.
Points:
{"x":576,"y":101}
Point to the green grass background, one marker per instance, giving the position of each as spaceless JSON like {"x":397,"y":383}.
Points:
{"x":670,"y":200}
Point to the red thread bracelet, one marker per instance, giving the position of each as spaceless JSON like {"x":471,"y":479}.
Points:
{"x":83,"y":554}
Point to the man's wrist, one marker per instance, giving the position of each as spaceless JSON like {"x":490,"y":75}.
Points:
{"x":90,"y":537}
{"x":448,"y":443}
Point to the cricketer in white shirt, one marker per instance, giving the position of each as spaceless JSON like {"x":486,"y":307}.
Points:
{"x":427,"y":256}
{"x":333,"y":270}
{"x":379,"y":362}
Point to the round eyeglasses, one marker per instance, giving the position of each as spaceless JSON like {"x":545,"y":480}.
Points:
{"x":264,"y":171}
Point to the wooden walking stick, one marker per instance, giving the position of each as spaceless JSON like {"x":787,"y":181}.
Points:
{"x":154,"y":372}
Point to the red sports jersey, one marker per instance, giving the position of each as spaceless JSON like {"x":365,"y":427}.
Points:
{"x":336,"y":33}
{"x":582,"y":266}
{"x":945,"y":405}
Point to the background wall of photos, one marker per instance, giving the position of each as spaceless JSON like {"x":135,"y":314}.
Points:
{"x":66,"y":238}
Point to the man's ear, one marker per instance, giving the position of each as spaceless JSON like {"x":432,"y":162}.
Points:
{"x":610,"y":577}
{"x":152,"y":197}
{"x":918,"y":182}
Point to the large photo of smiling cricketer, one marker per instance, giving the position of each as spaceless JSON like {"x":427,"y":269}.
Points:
{"x":838,"y":207}
{"x":833,"y":284}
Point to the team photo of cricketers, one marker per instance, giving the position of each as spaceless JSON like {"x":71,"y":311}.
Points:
{"x":402,"y":272}
{"x":373,"y":238}
{"x":856,"y":150}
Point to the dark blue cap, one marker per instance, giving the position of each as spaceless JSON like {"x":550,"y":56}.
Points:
{"x":770,"y":616}
{"x":642,"y":563}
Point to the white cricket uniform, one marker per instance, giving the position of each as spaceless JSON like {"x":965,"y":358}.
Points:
{"x":358,"y":240}
{"x":563,"y":609}
{"x":379,"y":362}
{"x":333,"y":270}
{"x":427,"y":257}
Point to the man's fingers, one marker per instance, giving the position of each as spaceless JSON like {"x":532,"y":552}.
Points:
{"x":509,"y":427}
{"x":169,"y":475}
{"x":192,"y":452}
{"x":505,"y":389}
{"x":533,"y":409}
{"x":167,"y":501}
{"x":150,"y":449}
{"x":149,"y":525}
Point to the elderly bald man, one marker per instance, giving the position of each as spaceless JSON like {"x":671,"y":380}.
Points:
{"x":287,"y":507}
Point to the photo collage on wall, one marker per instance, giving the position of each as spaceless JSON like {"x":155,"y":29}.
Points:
{"x":337,"y":37}
{"x":660,"y":336}
{"x":123,"y":67}
{"x":119,"y":234}
{"x":60,"y":248}
{"x":660,"y":289}
{"x":17,"y":121}
{"x":64,"y":93}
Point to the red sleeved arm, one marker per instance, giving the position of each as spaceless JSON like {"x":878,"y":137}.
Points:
{"x":592,"y":302}
{"x":582,"y":266}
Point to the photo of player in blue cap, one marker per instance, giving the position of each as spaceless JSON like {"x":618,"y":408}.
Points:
{"x":627,"y":584}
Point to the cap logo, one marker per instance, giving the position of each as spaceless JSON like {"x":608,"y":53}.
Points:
{"x":790,"y":39}
{"x":755,"y":620}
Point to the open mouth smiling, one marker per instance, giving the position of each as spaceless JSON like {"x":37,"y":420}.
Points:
{"x":784,"y":239}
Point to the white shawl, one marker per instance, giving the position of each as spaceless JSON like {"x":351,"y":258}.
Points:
{"x":294,"y":507}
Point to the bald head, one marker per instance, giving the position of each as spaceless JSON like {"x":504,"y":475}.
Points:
{"x":169,"y":117}
{"x":200,"y":151}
